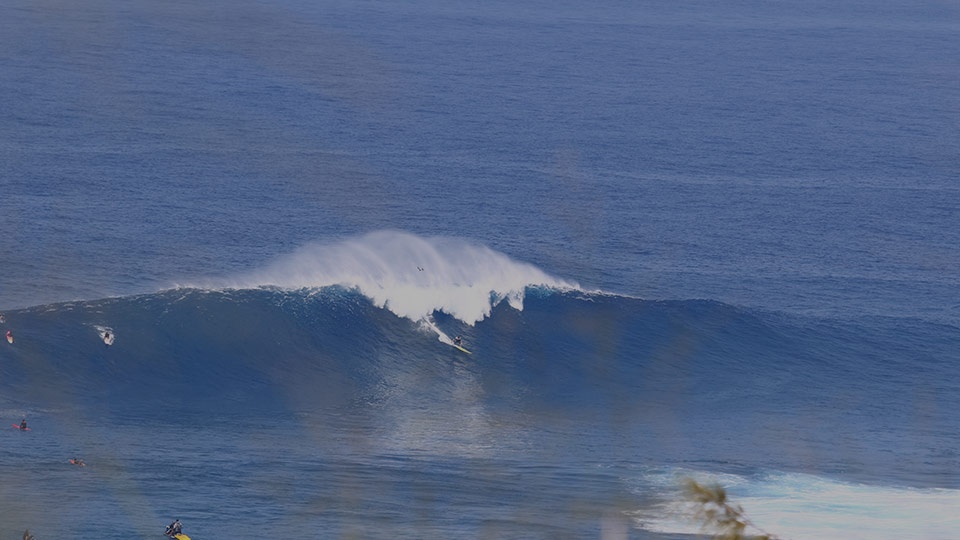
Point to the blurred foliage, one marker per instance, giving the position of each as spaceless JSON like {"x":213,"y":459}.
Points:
{"x":725,"y":520}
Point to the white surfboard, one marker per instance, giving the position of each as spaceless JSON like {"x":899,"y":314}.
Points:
{"x":107,"y":335}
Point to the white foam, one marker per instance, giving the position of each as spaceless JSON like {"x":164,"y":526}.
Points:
{"x":802,"y":507}
{"x":411,"y":276}
{"x":428,"y":324}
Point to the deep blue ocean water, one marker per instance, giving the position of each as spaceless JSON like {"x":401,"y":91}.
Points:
{"x":684,"y":239}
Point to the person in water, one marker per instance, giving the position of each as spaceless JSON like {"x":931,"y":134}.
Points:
{"x":174,"y":528}
{"x":78,"y":462}
{"x":458,"y":341}
{"x":23,"y":424}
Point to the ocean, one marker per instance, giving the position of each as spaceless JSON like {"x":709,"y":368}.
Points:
{"x":679,"y":240}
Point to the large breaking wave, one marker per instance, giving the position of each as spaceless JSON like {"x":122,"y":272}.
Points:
{"x":335,"y":334}
{"x":409,"y":275}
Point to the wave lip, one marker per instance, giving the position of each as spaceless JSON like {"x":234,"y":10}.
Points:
{"x":410,"y":275}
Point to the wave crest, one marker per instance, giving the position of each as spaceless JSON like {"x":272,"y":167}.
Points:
{"x":410,"y":275}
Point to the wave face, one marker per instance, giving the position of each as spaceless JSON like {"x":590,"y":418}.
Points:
{"x":649,"y":378}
